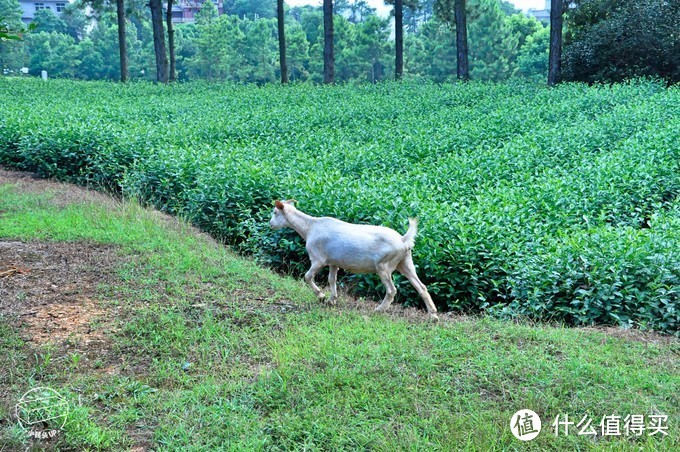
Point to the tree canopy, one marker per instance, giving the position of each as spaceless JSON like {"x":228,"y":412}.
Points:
{"x":606,"y":40}
{"x":614,"y":40}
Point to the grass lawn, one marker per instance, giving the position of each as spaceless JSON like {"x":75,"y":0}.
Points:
{"x":159,"y":338}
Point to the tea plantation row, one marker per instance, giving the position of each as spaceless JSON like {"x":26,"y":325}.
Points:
{"x":558,"y":204}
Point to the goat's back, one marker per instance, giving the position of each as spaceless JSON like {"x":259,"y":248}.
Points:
{"x":355,"y":247}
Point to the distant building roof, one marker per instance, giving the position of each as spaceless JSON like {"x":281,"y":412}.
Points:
{"x":185,"y":10}
{"x":29,"y":7}
{"x":540,"y":14}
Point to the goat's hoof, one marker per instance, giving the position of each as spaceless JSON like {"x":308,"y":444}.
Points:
{"x":380,"y":308}
{"x":333,"y":300}
{"x":321,"y":296}
{"x":434,"y":317}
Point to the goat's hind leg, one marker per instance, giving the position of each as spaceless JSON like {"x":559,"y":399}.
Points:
{"x":407,"y":269}
{"x":309,"y":278}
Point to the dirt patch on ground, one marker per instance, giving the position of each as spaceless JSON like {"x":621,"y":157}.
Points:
{"x":51,"y":297}
{"x":62,"y":194}
{"x":632,"y":334}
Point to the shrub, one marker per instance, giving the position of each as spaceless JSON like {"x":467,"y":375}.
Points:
{"x":554,"y":203}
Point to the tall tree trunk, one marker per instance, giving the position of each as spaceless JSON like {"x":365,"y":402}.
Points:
{"x":555,"y":57}
{"x":159,"y":40}
{"x":282,"y":42}
{"x":462,"y":66}
{"x":122,"y":45}
{"x":398,"y":39}
{"x":328,"y":57}
{"x":171,"y":40}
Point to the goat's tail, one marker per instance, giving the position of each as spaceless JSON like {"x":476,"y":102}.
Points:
{"x":410,"y":237}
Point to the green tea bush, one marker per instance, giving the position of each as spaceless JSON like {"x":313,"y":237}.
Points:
{"x":574,"y":278}
{"x":551,"y":203}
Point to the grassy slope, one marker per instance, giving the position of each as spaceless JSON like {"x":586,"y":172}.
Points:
{"x":271,"y":368}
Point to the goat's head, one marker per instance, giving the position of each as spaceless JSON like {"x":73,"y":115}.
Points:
{"x":279,"y":220}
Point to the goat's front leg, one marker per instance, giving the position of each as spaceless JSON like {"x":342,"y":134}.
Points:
{"x":391,"y":290}
{"x":309,"y":278}
{"x":332,"y":282}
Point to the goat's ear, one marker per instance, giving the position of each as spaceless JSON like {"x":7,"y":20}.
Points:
{"x":291,"y":201}
{"x":279,"y":205}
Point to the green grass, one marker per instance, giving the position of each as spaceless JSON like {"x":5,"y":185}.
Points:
{"x":217,"y":353}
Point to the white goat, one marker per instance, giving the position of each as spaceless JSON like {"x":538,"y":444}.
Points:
{"x":354,"y":247}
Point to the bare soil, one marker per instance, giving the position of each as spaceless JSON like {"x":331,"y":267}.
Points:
{"x":62,"y":194}
{"x":52,"y":294}
{"x":50,"y":291}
